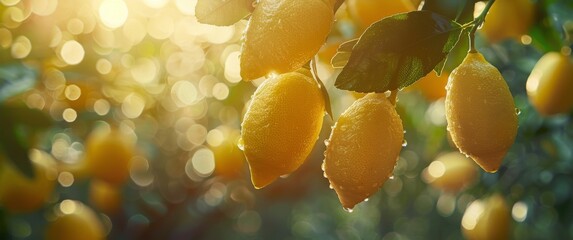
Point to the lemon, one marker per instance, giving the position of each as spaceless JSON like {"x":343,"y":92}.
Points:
{"x":432,"y":86}
{"x":281,"y":125}
{"x":487,"y":219}
{"x":105,"y":197}
{"x":508,"y":19}
{"x":108,"y":156}
{"x":363,"y":148}
{"x":283,"y":35}
{"x":73,"y":221}
{"x":480,"y":112}
{"x":367,"y":12}
{"x":451,"y":172}
{"x":20,"y":194}
{"x":550,"y":84}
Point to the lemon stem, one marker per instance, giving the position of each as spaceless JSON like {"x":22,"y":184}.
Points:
{"x":477,"y":22}
{"x":393,"y":97}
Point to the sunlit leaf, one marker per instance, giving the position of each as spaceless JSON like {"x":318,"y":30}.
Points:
{"x":15,"y":79}
{"x":343,"y":54}
{"x":222,"y":12}
{"x":397,"y":51}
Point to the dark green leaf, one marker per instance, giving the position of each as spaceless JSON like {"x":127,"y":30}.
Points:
{"x":327,"y":106}
{"x":397,"y":51}
{"x":343,"y":54}
{"x":222,"y":12}
{"x":460,"y":11}
{"x":15,"y":79}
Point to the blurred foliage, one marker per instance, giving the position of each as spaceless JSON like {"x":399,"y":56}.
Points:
{"x":150,"y":70}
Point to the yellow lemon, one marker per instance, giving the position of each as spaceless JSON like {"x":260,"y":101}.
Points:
{"x":432,"y":86}
{"x":20,"y":194}
{"x":451,"y":172}
{"x":105,"y":197}
{"x":480,"y":112}
{"x":487,"y":219}
{"x":281,"y":126}
{"x":550,"y":84}
{"x":74,"y":221}
{"x":508,"y":19}
{"x":367,"y":12}
{"x":363,"y":148}
{"x":283,"y":35}
{"x":108,"y":156}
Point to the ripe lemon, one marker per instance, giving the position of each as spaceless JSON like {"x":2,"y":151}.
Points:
{"x":20,"y":194}
{"x":105,"y":197}
{"x":451,"y":172}
{"x":363,"y":148}
{"x":283,"y":35}
{"x":281,"y":126}
{"x":367,"y":12}
{"x":74,"y":221}
{"x":432,"y":86}
{"x":508,"y":19}
{"x":550,"y":84}
{"x":108,"y":156}
{"x":480,"y":112}
{"x":487,"y":219}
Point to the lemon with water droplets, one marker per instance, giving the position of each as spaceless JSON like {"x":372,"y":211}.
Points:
{"x":487,"y":219}
{"x":480,"y":112}
{"x":363,"y":148}
{"x":550,"y":84}
{"x":281,"y":125}
{"x":283,"y":35}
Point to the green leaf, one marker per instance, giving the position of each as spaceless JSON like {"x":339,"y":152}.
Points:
{"x":343,"y":54}
{"x":15,"y":79}
{"x":397,"y":51}
{"x":19,"y":126}
{"x":460,"y":11}
{"x":222,"y":12}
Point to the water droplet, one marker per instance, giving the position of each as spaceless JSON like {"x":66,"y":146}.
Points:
{"x":404,"y":143}
{"x":391,"y":177}
{"x":324,"y":175}
{"x":366,"y":200}
{"x":330,"y":186}
{"x":323,"y":166}
{"x":326,"y":142}
{"x":404,"y":131}
{"x":241,"y":144}
{"x":349,"y":210}
{"x":517,"y":111}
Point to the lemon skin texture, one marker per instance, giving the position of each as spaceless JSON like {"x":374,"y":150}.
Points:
{"x":281,"y":126}
{"x":283,"y":35}
{"x":363,"y":148}
{"x":480,"y":112}
{"x":550,"y":84}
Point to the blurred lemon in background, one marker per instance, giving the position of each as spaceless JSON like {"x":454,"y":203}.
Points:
{"x":550,"y":84}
